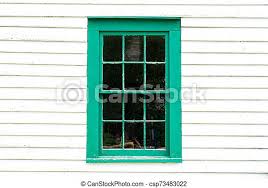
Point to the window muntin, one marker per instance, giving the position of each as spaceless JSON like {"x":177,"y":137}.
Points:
{"x":142,"y":93}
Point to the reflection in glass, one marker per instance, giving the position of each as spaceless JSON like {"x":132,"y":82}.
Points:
{"x":133,"y":76}
{"x":155,"y":76}
{"x":155,"y":48}
{"x":155,"y":107}
{"x":134,"y":135}
{"x":155,"y":135}
{"x":133,"y":107}
{"x":134,"y":48}
{"x":112,"y":48}
{"x":112,"y":76}
{"x":112,"y":106}
{"x":112,"y":135}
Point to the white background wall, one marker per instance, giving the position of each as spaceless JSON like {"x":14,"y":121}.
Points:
{"x":224,"y":52}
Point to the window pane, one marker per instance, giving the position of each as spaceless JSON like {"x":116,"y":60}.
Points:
{"x":155,"y":76}
{"x":155,"y":135}
{"x":112,"y":107}
{"x":112,"y":48}
{"x":134,"y":135}
{"x":155,"y":107}
{"x":112,"y":135}
{"x":134,"y":107}
{"x":112,"y":76}
{"x":134,"y":48}
{"x":134,"y":76}
{"x":155,"y":48}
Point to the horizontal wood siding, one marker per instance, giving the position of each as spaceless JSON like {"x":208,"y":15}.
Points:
{"x":224,"y":54}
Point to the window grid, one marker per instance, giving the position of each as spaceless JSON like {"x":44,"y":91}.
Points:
{"x":123,"y":92}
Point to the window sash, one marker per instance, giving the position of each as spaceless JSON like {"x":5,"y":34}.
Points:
{"x":126,"y":151}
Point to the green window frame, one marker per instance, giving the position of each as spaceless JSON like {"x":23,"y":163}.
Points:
{"x":170,"y":28}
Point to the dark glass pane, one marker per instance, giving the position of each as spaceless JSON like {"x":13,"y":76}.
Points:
{"x":112,"y":106}
{"x":112,"y":135}
{"x":112,"y":48}
{"x":134,"y":48}
{"x":155,"y":135}
{"x":112,"y":76}
{"x":155,"y":107}
{"x":155,"y":48}
{"x":133,"y":76}
{"x":133,"y":106}
{"x":155,"y":76}
{"x":134,"y":135}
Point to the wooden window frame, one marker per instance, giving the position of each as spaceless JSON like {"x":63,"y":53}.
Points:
{"x":99,"y":25}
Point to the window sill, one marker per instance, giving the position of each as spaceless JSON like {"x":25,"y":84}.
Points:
{"x":133,"y":159}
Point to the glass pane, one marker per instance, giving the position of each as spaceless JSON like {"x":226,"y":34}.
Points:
{"x":112,"y":48}
{"x":134,"y":48}
{"x":133,"y":107}
{"x":112,"y":76}
{"x":155,"y":48}
{"x":134,"y":135}
{"x":134,"y":76}
{"x":155,"y":107}
{"x":112,"y":135}
{"x":155,"y":135}
{"x":112,"y":106}
{"x":155,"y":76}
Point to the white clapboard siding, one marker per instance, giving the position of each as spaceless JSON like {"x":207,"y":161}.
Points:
{"x":187,"y":94}
{"x":132,"y":9}
{"x":187,"y":117}
{"x":80,"y":48}
{"x":224,"y":22}
{"x":41,"y":82}
{"x":80,"y":154}
{"x":73,"y":47}
{"x":80,"y":107}
{"x":80,"y":59}
{"x":218,"y":106}
{"x":79,"y":141}
{"x":41,"y":106}
{"x":57,"y":95}
{"x":42,"y":47}
{"x":81,"y":22}
{"x":43,"y":22}
{"x":239,"y":94}
{"x":30,"y":117}
{"x":224,"y":54}
{"x":187,"y":167}
{"x":226,"y":82}
{"x":50,"y":105}
{"x":189,"y":70}
{"x":80,"y":35}
{"x":55,"y":34}
{"x":225,"y":47}
{"x":39,"y":129}
{"x":141,"y":2}
{"x":223,"y":34}
{"x":224,"y":70}
{"x":225,"y":129}
{"x":225,"y":117}
{"x":48,"y":70}
{"x":200,"y":82}
{"x":43,"y":59}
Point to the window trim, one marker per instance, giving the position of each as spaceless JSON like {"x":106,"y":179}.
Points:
{"x":144,"y":24}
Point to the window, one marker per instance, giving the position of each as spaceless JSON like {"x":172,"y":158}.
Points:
{"x":134,"y":109}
